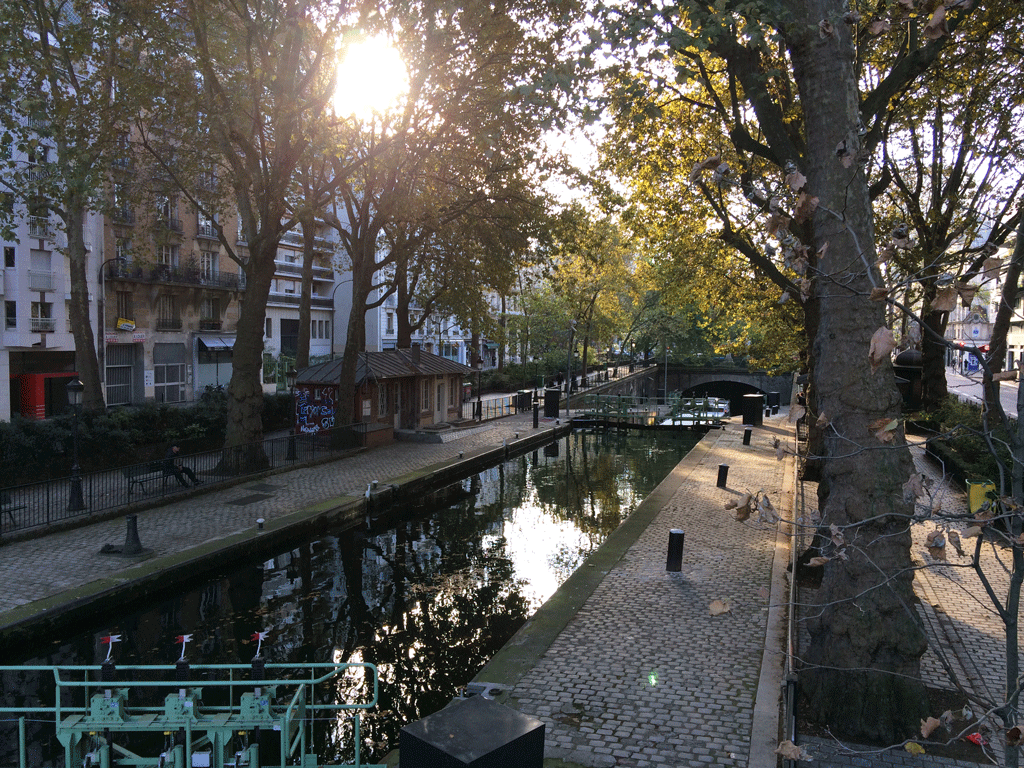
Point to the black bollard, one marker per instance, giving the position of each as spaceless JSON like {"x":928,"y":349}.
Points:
{"x":132,"y":545}
{"x":675,"y":550}
{"x":723,"y":475}
{"x":746,"y":435}
{"x":536,"y":414}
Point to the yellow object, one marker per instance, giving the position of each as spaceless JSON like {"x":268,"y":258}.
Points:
{"x":977,"y":493}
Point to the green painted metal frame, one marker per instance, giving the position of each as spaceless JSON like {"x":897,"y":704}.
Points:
{"x":285,"y":704}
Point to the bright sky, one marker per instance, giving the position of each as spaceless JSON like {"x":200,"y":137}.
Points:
{"x":371,"y":79}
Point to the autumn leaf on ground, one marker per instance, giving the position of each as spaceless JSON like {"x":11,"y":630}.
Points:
{"x":791,"y":751}
{"x":914,"y":748}
{"x":946,"y":718}
{"x":929,"y":725}
{"x":936,"y":543}
{"x":718,"y":607}
{"x":882,"y":344}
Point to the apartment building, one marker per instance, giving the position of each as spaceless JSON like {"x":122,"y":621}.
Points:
{"x":37,"y":353}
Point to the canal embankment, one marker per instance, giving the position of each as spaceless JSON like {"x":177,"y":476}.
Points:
{"x":57,"y":579}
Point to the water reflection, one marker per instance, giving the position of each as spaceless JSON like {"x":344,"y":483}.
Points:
{"x":426,"y":592}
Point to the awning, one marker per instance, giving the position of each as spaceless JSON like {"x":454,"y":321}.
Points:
{"x":217,"y":343}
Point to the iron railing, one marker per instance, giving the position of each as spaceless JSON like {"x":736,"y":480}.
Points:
{"x":52,"y":502}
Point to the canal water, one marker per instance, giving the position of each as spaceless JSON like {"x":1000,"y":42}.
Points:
{"x":427,"y":591}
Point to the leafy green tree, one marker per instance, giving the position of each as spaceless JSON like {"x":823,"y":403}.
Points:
{"x":68,"y":97}
{"x":257,"y":77}
{"x":783,"y":81}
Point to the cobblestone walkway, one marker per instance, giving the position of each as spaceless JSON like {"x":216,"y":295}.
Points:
{"x":644,"y":675}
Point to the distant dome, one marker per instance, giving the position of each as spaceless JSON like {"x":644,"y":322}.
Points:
{"x":908,"y":358}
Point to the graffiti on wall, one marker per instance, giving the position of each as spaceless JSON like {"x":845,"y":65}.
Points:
{"x":315,"y":408}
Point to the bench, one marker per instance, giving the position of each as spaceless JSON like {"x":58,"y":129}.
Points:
{"x":147,"y":473}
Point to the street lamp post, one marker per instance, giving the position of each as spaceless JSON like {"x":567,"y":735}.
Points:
{"x":290,"y":377}
{"x":75,"y":503}
{"x":101,"y":311}
{"x":479,"y":365}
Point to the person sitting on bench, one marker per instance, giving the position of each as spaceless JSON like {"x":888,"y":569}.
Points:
{"x":173,"y":466}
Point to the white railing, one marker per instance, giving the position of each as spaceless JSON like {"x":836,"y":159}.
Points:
{"x":40,"y":281}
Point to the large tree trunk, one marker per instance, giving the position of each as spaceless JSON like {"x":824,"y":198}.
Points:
{"x":933,"y":351}
{"x":86,"y":361}
{"x":243,"y":449}
{"x":862,"y":669}
{"x":363,"y":267}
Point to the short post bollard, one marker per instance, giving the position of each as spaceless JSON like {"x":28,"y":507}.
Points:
{"x":675,"y":550}
{"x":723,"y":475}
{"x":746,"y":435}
{"x":132,"y":544}
{"x":536,"y":414}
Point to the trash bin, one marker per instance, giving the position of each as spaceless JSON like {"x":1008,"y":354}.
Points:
{"x":753,"y":409}
{"x":977,"y":493}
{"x":552,"y":396}
{"x":524,"y":398}
{"x":774,"y":402}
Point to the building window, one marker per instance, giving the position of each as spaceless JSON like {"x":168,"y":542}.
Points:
{"x":167,"y":318}
{"x":167,"y":255}
{"x":391,"y":322}
{"x":269,"y":331}
{"x":125,"y":305}
{"x":42,"y":316}
{"x":209,"y":314}
{"x":123,"y":249}
{"x":425,"y":396}
{"x":11,"y":313}
{"x":9,"y":251}
{"x":440,"y":395}
{"x":382,"y":400}
{"x":208,"y":265}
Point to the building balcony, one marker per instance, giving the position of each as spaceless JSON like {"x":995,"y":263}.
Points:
{"x":41,"y":281}
{"x":292,"y":300}
{"x":172,"y":223}
{"x":168,"y":324}
{"x":319,"y":273}
{"x":320,"y":242}
{"x":42,"y":325}
{"x":38,"y":226}
{"x":206,"y":231}
{"x":123,"y":216}
{"x":160,"y":273}
{"x":210,"y":325}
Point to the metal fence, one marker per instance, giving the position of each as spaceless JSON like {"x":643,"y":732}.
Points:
{"x":49,"y":502}
{"x":680,"y":411}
